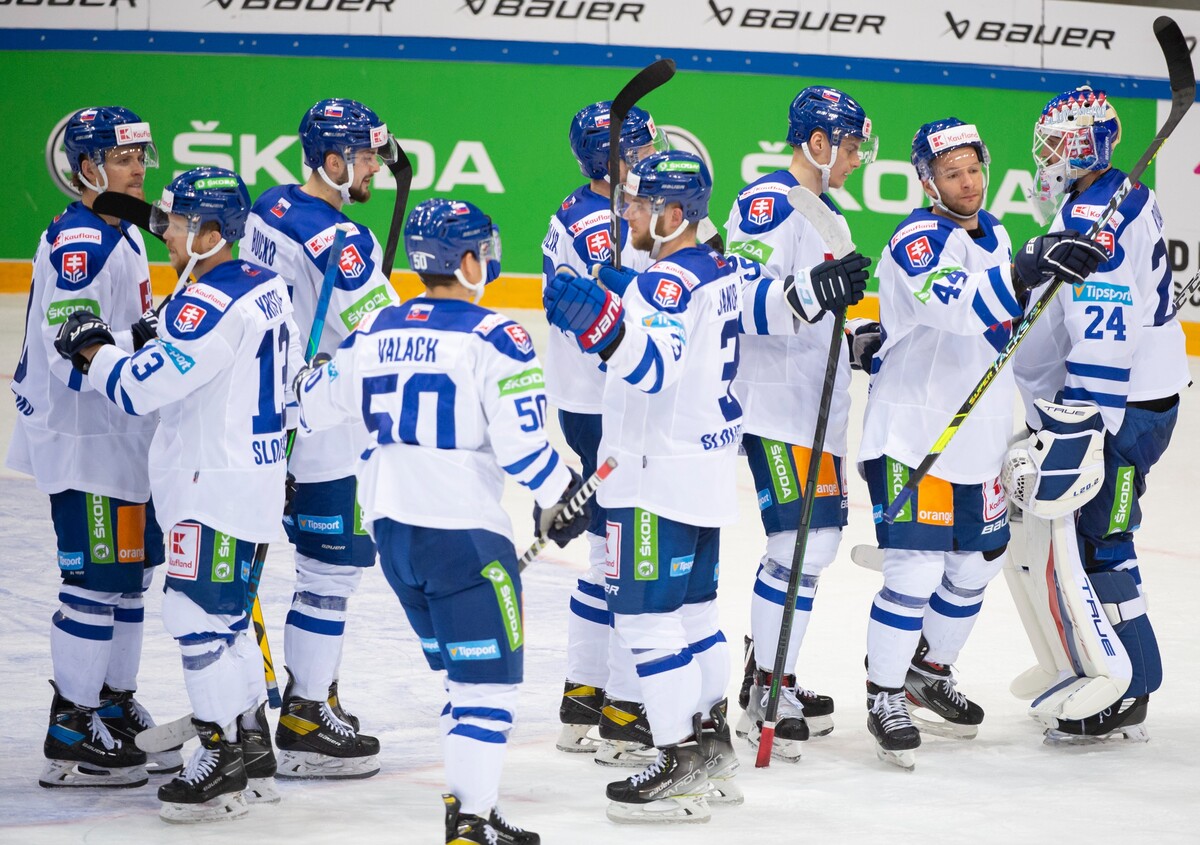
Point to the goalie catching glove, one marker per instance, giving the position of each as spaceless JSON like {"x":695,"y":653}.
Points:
{"x":554,"y":524}
{"x":829,"y":286}
{"x":1058,"y":469}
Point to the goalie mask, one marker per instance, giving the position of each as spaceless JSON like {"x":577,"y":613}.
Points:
{"x":1060,"y":468}
{"x":1075,"y":135}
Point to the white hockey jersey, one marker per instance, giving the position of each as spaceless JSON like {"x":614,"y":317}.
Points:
{"x":218,"y":375}
{"x":580,"y":235}
{"x":450,"y":395}
{"x":947,"y":307}
{"x":1115,"y":338}
{"x":780,"y":379}
{"x":671,"y":417}
{"x":290,"y":232}
{"x":67,"y":436}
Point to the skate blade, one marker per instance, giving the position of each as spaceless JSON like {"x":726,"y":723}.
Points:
{"x":906,"y":759}
{"x":1060,"y":739}
{"x":784,"y":750}
{"x":577,"y":739}
{"x":625,"y":755}
{"x":744,"y":726}
{"x":678,"y":809}
{"x":66,"y":774}
{"x":309,"y":765}
{"x":221,"y":808}
{"x":819,"y":725}
{"x":937,"y":726}
{"x":724,"y":792}
{"x":164,"y":763}
{"x":261,"y":791}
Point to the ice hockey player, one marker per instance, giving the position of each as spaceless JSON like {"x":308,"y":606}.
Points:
{"x":1114,"y":345}
{"x":290,"y":230}
{"x":780,"y":380}
{"x":91,"y":460}
{"x":948,"y":292}
{"x":217,"y":376}
{"x":580,"y":237}
{"x":451,"y":395}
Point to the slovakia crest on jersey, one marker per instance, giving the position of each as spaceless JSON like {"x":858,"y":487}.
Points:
{"x":762,"y":210}
{"x":189,"y":317}
{"x":351,"y":263}
{"x":667,"y":293}
{"x":599,"y":245}
{"x":74,"y":266}
{"x":281,"y":208}
{"x":1105,"y":238}
{"x":920,"y":253}
{"x":419,"y":313}
{"x":519,"y":336}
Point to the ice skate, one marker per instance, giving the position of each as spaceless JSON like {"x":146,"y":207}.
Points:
{"x":81,"y":751}
{"x":508,"y":833}
{"x":817,"y":709}
{"x":258,"y":756}
{"x":929,"y":688}
{"x":335,"y":703}
{"x":1124,"y":720}
{"x":791,"y":729}
{"x":126,"y":718}
{"x":466,"y":829}
{"x":669,"y":790}
{"x":210,"y":787}
{"x":720,"y":758}
{"x":625,"y":732}
{"x":314,"y":743}
{"x":896,"y":739}
{"x":579,"y":714}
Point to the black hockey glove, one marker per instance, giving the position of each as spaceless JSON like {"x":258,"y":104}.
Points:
{"x":1068,"y":255}
{"x":553,"y":524}
{"x":145,"y":329}
{"x":319,"y":360}
{"x":289,"y":493}
{"x":829,"y":286}
{"x":79,"y":331}
{"x":863,"y":339}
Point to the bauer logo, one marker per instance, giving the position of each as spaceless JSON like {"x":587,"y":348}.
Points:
{"x":320,"y":524}
{"x":581,"y":10}
{"x":1098,"y":292}
{"x":474,"y":650}
{"x":70,"y":561}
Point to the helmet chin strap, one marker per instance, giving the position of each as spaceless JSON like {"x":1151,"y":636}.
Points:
{"x":344,"y":189}
{"x":193,"y":258}
{"x":103,"y":177}
{"x":938,"y":203}
{"x":659,"y":241}
{"x":476,"y":288}
{"x":825,"y":169}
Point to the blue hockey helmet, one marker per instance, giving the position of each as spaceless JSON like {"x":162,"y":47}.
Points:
{"x":835,"y":113}
{"x":343,"y":126}
{"x":204,"y":195}
{"x":92,"y":132}
{"x":589,"y":137}
{"x":440,"y":231}
{"x":1075,"y":134}
{"x":941,"y":136}
{"x":672,"y":176}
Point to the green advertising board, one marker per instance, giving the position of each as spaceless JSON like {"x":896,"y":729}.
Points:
{"x":492,"y":134}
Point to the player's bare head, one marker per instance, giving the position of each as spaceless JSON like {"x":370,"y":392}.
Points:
{"x":832,"y":132}
{"x":345,"y":144}
{"x":451,"y":242}
{"x":951,"y":161}
{"x":109,"y":148}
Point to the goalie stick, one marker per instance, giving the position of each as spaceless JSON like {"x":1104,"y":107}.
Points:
{"x":171,"y":734}
{"x":402,"y":171}
{"x":827,"y":225}
{"x":574,"y":506}
{"x":648,"y":78}
{"x":1183,"y":93}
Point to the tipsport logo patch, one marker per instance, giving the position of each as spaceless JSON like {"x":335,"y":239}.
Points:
{"x":1099,"y":292}
{"x":761,"y":210}
{"x":319,"y":524}
{"x":189,"y":317}
{"x":182,"y":362}
{"x":919,"y":252}
{"x":599,"y":245}
{"x":474,"y":650}
{"x":506,"y":597}
{"x":681,"y":566}
{"x":351,"y":263}
{"x":70,"y":561}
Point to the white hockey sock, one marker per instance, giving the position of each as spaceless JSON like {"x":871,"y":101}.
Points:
{"x":81,"y":638}
{"x":128,"y":626}
{"x":316,"y":623}
{"x":670,"y":678}
{"x":709,"y":651}
{"x":588,"y":625}
{"x":475,"y":745}
{"x":955,"y":604}
{"x":770,"y":592}
{"x":894,"y":628}
{"x":623,"y":682}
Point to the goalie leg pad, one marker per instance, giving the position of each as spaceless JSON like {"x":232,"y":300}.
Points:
{"x":1126,"y":610}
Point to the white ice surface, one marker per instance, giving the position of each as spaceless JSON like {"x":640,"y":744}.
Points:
{"x":1004,"y":787}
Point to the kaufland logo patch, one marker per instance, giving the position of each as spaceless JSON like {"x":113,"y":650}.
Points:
{"x":920,"y":253}
{"x":667,"y":293}
{"x":133,"y":133}
{"x":596,"y":218}
{"x":519,"y":337}
{"x":762,"y":210}
{"x":74,"y":267}
{"x":599,"y":245}
{"x":189,"y":317}
{"x":379,"y":136}
{"x":74,"y":236}
{"x":351,"y":263}
{"x":955,"y":136}
{"x":183,"y":551}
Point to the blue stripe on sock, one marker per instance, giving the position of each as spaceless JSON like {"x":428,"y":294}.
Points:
{"x":130,"y":615}
{"x":955,"y":611}
{"x":315,"y":626}
{"x":913,"y":602}
{"x":664,"y":664}
{"x":99,"y":633}
{"x":479,"y":734}
{"x":494,"y":714}
{"x":895,"y":620}
{"x":591,"y":614}
{"x":589,"y":589}
{"x":707,"y":643}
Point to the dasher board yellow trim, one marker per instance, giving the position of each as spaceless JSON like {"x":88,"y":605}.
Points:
{"x":511,"y":290}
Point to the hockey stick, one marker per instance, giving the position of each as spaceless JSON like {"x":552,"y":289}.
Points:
{"x":574,"y":506}
{"x":1183,"y":92}
{"x":1182,"y":296}
{"x":130,"y":209}
{"x":402,"y":171}
{"x":171,"y":734}
{"x":648,"y":78}
{"x":829,"y":228}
